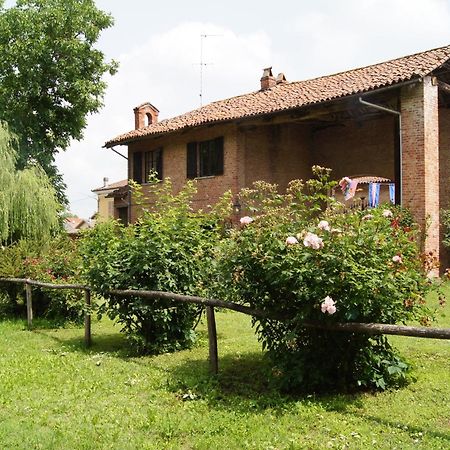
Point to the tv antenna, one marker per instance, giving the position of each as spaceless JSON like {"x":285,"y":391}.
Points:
{"x":202,"y":63}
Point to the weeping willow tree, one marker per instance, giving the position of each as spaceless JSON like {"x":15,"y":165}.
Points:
{"x":28,"y":204}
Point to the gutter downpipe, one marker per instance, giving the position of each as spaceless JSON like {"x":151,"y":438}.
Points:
{"x":399,"y":115}
{"x":115,"y":151}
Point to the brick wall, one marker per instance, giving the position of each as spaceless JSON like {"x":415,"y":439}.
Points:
{"x":174,"y":163}
{"x":278,"y":154}
{"x":275,"y":153}
{"x":420,"y":160}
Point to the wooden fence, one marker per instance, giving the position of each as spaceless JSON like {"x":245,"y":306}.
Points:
{"x":210,"y":304}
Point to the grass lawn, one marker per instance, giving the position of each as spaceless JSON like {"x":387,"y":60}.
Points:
{"x":54,"y":394}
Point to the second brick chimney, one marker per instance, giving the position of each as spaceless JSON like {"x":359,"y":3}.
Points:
{"x":145,"y":115}
{"x":267,"y":80}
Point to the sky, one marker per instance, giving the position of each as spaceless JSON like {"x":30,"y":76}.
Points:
{"x":158,"y":46}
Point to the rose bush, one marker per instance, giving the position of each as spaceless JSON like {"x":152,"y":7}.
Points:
{"x":55,"y":260}
{"x":303,"y":258}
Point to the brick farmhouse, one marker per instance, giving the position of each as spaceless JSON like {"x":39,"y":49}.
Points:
{"x":389,"y":120}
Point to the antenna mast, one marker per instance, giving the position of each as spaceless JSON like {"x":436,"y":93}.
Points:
{"x":203,"y":64}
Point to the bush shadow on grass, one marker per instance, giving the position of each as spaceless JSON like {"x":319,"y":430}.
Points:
{"x":244,"y":383}
{"x":113,"y":343}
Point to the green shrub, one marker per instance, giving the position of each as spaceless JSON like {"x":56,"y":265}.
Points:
{"x":445,"y":217}
{"x":54,"y":261}
{"x":302,"y":258}
{"x":168,"y":249}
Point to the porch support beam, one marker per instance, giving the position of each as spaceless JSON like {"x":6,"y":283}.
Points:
{"x":420,"y":162}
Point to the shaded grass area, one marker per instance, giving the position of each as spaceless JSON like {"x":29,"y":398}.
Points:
{"x":55,"y":394}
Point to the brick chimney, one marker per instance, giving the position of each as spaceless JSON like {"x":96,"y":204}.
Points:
{"x":145,"y":115}
{"x":281,"y":78}
{"x":267,"y":80}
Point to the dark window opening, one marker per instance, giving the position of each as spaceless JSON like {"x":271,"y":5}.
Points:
{"x":144,"y":163}
{"x":123,"y":215}
{"x":205,"y":158}
{"x":137,"y":167}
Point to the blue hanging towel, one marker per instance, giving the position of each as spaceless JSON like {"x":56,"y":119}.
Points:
{"x":374,"y":194}
{"x":392,"y":193}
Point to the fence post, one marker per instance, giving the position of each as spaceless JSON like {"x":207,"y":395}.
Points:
{"x":212,"y":338}
{"x":87,"y":318}
{"x":29,"y":305}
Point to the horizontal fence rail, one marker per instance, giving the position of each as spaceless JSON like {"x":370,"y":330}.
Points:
{"x":210,"y":304}
{"x":28,"y":290}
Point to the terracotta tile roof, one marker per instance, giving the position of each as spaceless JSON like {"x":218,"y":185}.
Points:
{"x":285,"y":96}
{"x":72,"y":225}
{"x":366,"y":179}
{"x":120,"y":192}
{"x":116,"y":184}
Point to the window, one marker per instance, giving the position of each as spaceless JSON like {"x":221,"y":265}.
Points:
{"x":146,"y":162}
{"x":122,"y":214}
{"x":205,"y":158}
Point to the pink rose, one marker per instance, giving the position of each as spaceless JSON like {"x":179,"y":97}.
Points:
{"x":291,"y":240}
{"x":313,"y":241}
{"x":328,"y":305}
{"x":324,"y":225}
{"x":387,"y":213}
{"x":397,"y":259}
{"x":246,"y":220}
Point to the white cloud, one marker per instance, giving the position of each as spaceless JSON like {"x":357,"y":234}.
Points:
{"x":336,"y":36}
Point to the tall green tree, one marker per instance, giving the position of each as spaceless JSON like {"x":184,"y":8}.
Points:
{"x":29,"y":208}
{"x":51,"y":75}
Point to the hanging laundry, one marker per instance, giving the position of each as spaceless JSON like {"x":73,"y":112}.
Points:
{"x":392,"y":193}
{"x":353,"y":186}
{"x":374,"y":194}
{"x":348,"y":187}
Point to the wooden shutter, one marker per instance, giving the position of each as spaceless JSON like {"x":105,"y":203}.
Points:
{"x":218,"y":156}
{"x":137,"y":167}
{"x":192,"y":160}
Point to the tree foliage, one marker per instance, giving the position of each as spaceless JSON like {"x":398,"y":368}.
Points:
{"x":28,"y":203}
{"x":51,"y":75}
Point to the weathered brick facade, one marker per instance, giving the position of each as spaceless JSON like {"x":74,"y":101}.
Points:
{"x":174,"y":163}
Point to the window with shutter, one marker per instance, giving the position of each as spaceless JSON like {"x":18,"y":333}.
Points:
{"x":153,"y":163}
{"x":192,"y":160}
{"x":144,"y":163}
{"x":205,"y":158}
